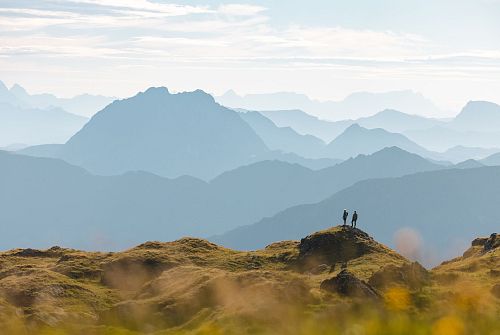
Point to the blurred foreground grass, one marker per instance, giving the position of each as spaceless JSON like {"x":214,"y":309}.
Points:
{"x":192,"y":286}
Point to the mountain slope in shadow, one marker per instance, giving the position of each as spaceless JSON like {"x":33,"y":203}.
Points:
{"x":358,"y":140}
{"x":283,"y":138}
{"x":166,"y":134}
{"x":36,"y":126}
{"x":48,"y":200}
{"x":445,"y":207}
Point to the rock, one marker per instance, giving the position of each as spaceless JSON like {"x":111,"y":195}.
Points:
{"x":482,"y":245}
{"x":411,"y":275}
{"x":52,"y":252}
{"x":336,"y":245}
{"x":479,"y":242}
{"x":347,"y":284}
{"x":495,"y":290}
{"x":488,"y":243}
{"x":492,"y":242}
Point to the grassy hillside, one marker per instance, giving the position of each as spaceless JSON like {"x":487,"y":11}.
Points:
{"x":336,"y":281}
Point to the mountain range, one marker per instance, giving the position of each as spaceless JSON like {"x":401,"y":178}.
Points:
{"x":444,"y":207}
{"x":47,"y":201}
{"x":285,"y":139}
{"x":358,"y":140}
{"x":291,"y":136}
{"x":36,"y":126}
{"x":356,"y":105}
{"x":476,"y":125}
{"x":454,"y":138}
{"x":166,"y":134}
{"x":84,"y":105}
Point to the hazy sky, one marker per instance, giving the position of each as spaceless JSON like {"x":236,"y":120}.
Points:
{"x":449,"y":50}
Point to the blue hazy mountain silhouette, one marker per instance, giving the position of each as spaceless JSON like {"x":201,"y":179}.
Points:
{"x":36,"y":126}
{"x":84,"y":104}
{"x":48,"y":201}
{"x":446,"y":207}
{"x":358,"y":140}
{"x":460,"y":153}
{"x":442,"y":138}
{"x":397,"y":122}
{"x":307,"y":124}
{"x":469,"y":164}
{"x":166,"y":134}
{"x":284,"y":139}
{"x":478,"y":116}
{"x":356,"y":105}
{"x":390,"y":120}
{"x":492,"y":159}
{"x":477,"y":125}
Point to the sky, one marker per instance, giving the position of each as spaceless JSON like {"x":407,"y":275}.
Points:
{"x":448,"y":50}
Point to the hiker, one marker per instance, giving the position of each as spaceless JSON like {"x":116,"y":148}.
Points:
{"x":344,"y":216}
{"x":354,"y":219}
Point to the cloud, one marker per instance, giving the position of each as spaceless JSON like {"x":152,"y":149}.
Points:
{"x":144,"y":7}
{"x":240,"y":10}
{"x":92,"y":35}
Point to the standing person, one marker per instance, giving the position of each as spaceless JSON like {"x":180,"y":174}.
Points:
{"x":344,"y":216}
{"x":354,"y":219}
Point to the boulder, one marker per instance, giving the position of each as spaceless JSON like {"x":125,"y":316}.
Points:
{"x":488,"y":243}
{"x":336,"y":245}
{"x":492,"y":242}
{"x":347,"y":284}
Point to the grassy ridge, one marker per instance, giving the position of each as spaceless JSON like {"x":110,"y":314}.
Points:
{"x":192,"y":286}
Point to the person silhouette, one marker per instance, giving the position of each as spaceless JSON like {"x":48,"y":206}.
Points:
{"x":354,"y":219}
{"x":344,"y":216}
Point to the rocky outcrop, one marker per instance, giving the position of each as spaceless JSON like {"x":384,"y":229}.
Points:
{"x":483,"y":245}
{"x":336,"y":245}
{"x":52,"y":252}
{"x":488,"y":243}
{"x":492,"y":242}
{"x":347,"y":284}
{"x":413,"y":276}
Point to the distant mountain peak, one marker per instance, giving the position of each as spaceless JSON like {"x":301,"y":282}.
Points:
{"x":478,"y":116}
{"x":389,"y":111}
{"x":201,"y":94}
{"x":184,"y":133}
{"x":156,"y":91}
{"x":17,"y":89}
{"x":469,"y":164}
{"x":473,"y":103}
{"x":479,"y":107}
{"x":354,"y":127}
{"x":393,"y":149}
{"x":231,"y":94}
